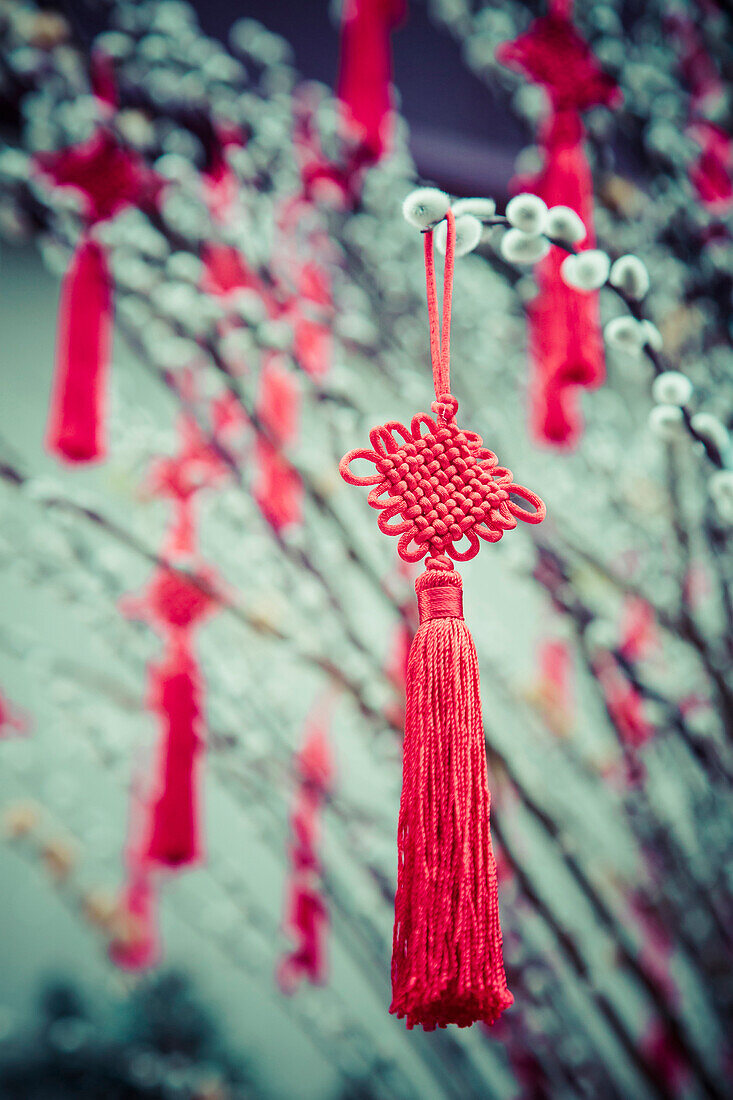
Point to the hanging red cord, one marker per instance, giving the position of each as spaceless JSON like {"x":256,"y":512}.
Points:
{"x":437,"y":487}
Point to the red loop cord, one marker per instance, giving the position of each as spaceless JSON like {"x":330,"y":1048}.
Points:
{"x":440,"y":338}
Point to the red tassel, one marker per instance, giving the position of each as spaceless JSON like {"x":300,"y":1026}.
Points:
{"x":76,"y":421}
{"x":712,"y":173}
{"x":306,"y":915}
{"x":365,"y":71}
{"x":553,"y":692}
{"x":564,"y":323}
{"x":174,"y":834}
{"x":565,"y":339}
{"x":306,"y":920}
{"x":277,"y":488}
{"x":278,"y":401}
{"x":638,"y":629}
{"x":135,"y":945}
{"x":447,"y":965}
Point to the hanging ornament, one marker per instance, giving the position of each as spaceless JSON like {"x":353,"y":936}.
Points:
{"x":13,"y":722}
{"x":306,"y":916}
{"x":638,"y":629}
{"x":440,"y":490}
{"x":176,"y":602}
{"x":365,"y":72}
{"x":552,"y":692}
{"x":277,"y":487}
{"x":108,"y":177}
{"x":711,"y":174}
{"x":564,"y":323}
{"x":134,"y":940}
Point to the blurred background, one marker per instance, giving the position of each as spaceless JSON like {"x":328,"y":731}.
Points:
{"x":226,"y":181}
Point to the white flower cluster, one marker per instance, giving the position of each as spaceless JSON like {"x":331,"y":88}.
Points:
{"x":534,"y":227}
{"x":672,"y":391}
{"x":427,"y":207}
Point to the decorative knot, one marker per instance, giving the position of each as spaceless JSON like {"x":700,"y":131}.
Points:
{"x":439,"y":488}
{"x":443,"y":562}
{"x":445,"y":408}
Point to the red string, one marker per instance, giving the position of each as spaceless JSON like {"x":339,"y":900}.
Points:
{"x":440,"y":345}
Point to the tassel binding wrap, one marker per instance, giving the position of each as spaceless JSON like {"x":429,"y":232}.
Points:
{"x":440,"y":490}
{"x":76,"y":417}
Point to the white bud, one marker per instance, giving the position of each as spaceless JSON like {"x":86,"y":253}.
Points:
{"x":523,"y":248}
{"x":672,"y":388}
{"x":712,"y":430}
{"x":626,"y":334}
{"x":468,"y":235}
{"x":652,"y":336}
{"x":666,"y":422}
{"x":720,"y":487}
{"x":586,"y":271}
{"x":425,"y":207}
{"x":629,"y":275}
{"x":480,"y":208}
{"x":563,"y":224}
{"x":724,"y":509}
{"x":528,"y":213}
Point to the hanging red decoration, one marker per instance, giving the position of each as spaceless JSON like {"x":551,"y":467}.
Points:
{"x":306,"y":916}
{"x":134,"y":943}
{"x":277,"y":487}
{"x":176,"y":602}
{"x":638,"y":629}
{"x":566,"y":345}
{"x":365,"y":72}
{"x":440,"y":491}
{"x":712,"y":173}
{"x":174,"y":838}
{"x":624,"y":703}
{"x":108,"y":177}
{"x":553,"y":692}
{"x":13,"y":722}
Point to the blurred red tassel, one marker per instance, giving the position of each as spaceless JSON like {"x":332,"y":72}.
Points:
{"x":277,"y":488}
{"x":564,"y":323}
{"x":278,"y":401}
{"x":134,"y":944}
{"x":76,"y":418}
{"x":447,"y":963}
{"x":712,"y":173}
{"x":306,"y":916}
{"x":174,"y":839}
{"x":638,"y":629}
{"x":306,"y":920}
{"x":12,"y":722}
{"x":107,"y":177}
{"x":312,"y":346}
{"x":624,"y":703}
{"x":553,"y":693}
{"x":365,"y":71}
{"x":103,"y":79}
{"x":565,"y":339}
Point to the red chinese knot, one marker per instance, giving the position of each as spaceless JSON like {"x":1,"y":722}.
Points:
{"x":439,"y":487}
